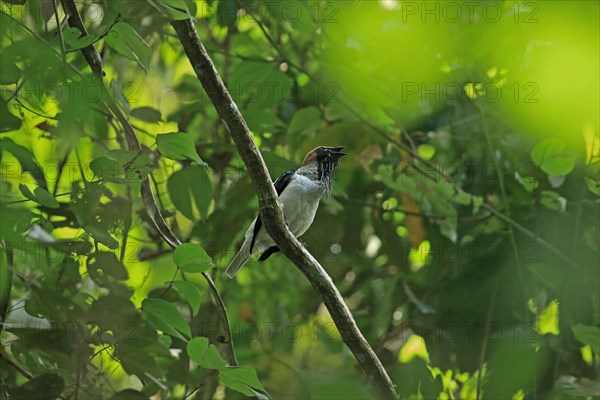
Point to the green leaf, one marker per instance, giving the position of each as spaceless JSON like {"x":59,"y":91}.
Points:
{"x":100,"y":234}
{"x":45,"y":198}
{"x":259,"y":395}
{"x":477,"y":203}
{"x":589,"y":335}
{"x":129,"y":394}
{"x":190,"y":292}
{"x":227,"y":12}
{"x":461,"y":197}
{"x":109,"y":264}
{"x":528,"y":182}
{"x":146,"y":114}
{"x":166,"y":317}
{"x":204,"y":354}
{"x":183,"y":193}
{"x":178,"y":146}
{"x":446,"y":190}
{"x":593,"y":185}
{"x":192,"y":7}
{"x":549,"y":275}
{"x":258,"y":84}
{"x":125,"y":40}
{"x":180,"y":192}
{"x":109,"y":310}
{"x":96,"y":218}
{"x":142,"y":360}
{"x":212,"y":359}
{"x":553,"y":200}
{"x":9,"y":72}
{"x":236,"y":385}
{"x":196,"y":349}
{"x":276,"y":164}
{"x":192,"y":258}
{"x":107,"y":169}
{"x":261,"y":120}
{"x":136,"y":165}
{"x":448,"y":228}
{"x":74,"y":38}
{"x":43,"y":387}
{"x":548,"y":320}
{"x":97,"y":125}
{"x":70,"y":35}
{"x":305,"y":120}
{"x":8,"y":122}
{"x":552,"y":157}
{"x":403,"y":183}
{"x":27,"y":193}
{"x":244,"y":374}
{"x":25,"y":158}
{"x":122,"y":166}
{"x":377,"y":114}
{"x":174,"y":9}
{"x":426,"y":151}
{"x":165,"y":340}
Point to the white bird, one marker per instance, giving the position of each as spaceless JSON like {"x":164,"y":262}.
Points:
{"x":300,"y":192}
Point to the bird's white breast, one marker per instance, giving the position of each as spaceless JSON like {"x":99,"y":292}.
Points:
{"x":300,"y":201}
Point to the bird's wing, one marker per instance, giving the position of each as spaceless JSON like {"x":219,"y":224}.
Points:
{"x":282,"y":182}
{"x":280,"y":185}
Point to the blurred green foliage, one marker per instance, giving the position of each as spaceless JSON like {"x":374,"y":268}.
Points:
{"x":462,"y":231}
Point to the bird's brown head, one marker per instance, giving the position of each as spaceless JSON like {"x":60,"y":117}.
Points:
{"x":322,"y":162}
{"x":323,"y":154}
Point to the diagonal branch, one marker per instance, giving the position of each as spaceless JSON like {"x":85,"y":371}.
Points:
{"x":271,"y":211}
{"x":93,"y":58}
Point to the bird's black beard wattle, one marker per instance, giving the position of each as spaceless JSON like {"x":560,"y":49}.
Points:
{"x":326,"y":173}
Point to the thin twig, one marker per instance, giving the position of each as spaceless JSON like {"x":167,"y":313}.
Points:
{"x":502,"y":185}
{"x":59,"y":29}
{"x":6,"y":283}
{"x":484,"y":342}
{"x":16,"y":366}
{"x":61,"y":166}
{"x":26,"y":200}
{"x":389,"y":210}
{"x":17,"y":90}
{"x":32,"y":110}
{"x":270,"y":39}
{"x":127,"y":226}
{"x":81,"y":171}
{"x":537,"y":239}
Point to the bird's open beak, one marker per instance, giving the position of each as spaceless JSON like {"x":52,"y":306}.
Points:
{"x":338,"y":151}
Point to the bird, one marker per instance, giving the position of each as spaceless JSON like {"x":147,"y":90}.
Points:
{"x":300,"y":192}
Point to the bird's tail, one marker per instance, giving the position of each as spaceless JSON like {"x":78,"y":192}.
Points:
{"x":238,"y":261}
